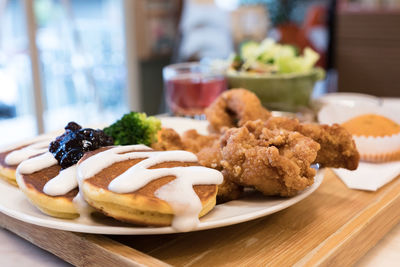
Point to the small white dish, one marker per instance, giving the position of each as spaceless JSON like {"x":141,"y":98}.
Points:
{"x":337,"y":113}
{"x":348,"y":99}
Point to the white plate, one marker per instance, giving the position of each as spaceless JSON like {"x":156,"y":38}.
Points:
{"x":13,"y":203}
{"x":349,"y":99}
{"x":336,"y":113}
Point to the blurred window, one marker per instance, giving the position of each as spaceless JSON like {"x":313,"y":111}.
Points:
{"x":81,"y":45}
{"x":82,"y":64}
{"x":16,"y":119}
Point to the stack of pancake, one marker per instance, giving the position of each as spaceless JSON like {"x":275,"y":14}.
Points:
{"x":55,"y":191}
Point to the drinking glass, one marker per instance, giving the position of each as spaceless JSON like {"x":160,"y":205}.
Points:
{"x":191,"y":87}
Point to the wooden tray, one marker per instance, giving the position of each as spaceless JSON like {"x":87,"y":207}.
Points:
{"x":335,"y":225}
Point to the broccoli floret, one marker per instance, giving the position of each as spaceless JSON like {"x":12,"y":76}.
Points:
{"x":134,"y":128}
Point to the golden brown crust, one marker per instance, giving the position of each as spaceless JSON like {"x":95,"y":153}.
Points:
{"x":338,"y":149}
{"x":195,"y":142}
{"x":211,"y":156}
{"x":234,"y":108}
{"x":228,"y":191}
{"x":275,"y":162}
{"x":168,"y":139}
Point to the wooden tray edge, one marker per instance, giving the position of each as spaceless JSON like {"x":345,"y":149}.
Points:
{"x":368,"y":227}
{"x":79,"y":249}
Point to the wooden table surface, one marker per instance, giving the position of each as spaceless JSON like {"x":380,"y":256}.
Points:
{"x":17,"y":251}
{"x":334,"y":225}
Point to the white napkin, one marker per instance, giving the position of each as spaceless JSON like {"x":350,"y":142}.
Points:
{"x":369,"y":176}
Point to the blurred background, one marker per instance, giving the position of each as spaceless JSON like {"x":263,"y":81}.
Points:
{"x":93,"y":60}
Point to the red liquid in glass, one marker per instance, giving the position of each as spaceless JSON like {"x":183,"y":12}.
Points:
{"x":191,"y":94}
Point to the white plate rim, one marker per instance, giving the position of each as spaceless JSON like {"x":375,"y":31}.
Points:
{"x":73,"y":226}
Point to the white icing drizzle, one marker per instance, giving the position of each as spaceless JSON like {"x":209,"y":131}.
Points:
{"x":183,"y":199}
{"x":37,"y":163}
{"x":17,"y":156}
{"x":178,"y":193}
{"x":64,"y":182}
{"x":92,"y":166}
{"x":82,"y":207}
{"x":125,"y":184}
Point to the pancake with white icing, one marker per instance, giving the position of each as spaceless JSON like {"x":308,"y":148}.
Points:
{"x":49,"y":188}
{"x":12,"y":157}
{"x":146,"y":187}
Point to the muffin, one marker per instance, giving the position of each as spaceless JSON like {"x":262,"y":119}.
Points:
{"x":377,"y":137}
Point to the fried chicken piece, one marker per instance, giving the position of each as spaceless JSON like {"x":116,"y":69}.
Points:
{"x":275,"y":162}
{"x":191,"y":140}
{"x":208,"y":151}
{"x":338,"y":149}
{"x":194,"y":142}
{"x":234,"y":108}
{"x":228,"y":191}
{"x":211,"y":156}
{"x":168,"y":139}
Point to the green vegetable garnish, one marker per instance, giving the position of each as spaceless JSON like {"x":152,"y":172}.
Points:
{"x":271,"y":57}
{"x":249,"y":50}
{"x":134,"y":128}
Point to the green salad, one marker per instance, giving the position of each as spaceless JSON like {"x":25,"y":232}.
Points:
{"x":271,"y":57}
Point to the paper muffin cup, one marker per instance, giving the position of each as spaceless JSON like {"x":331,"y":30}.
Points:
{"x":371,"y":148}
{"x":378,"y":149}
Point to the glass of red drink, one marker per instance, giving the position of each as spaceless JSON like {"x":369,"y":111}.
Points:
{"x":191,"y":87}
